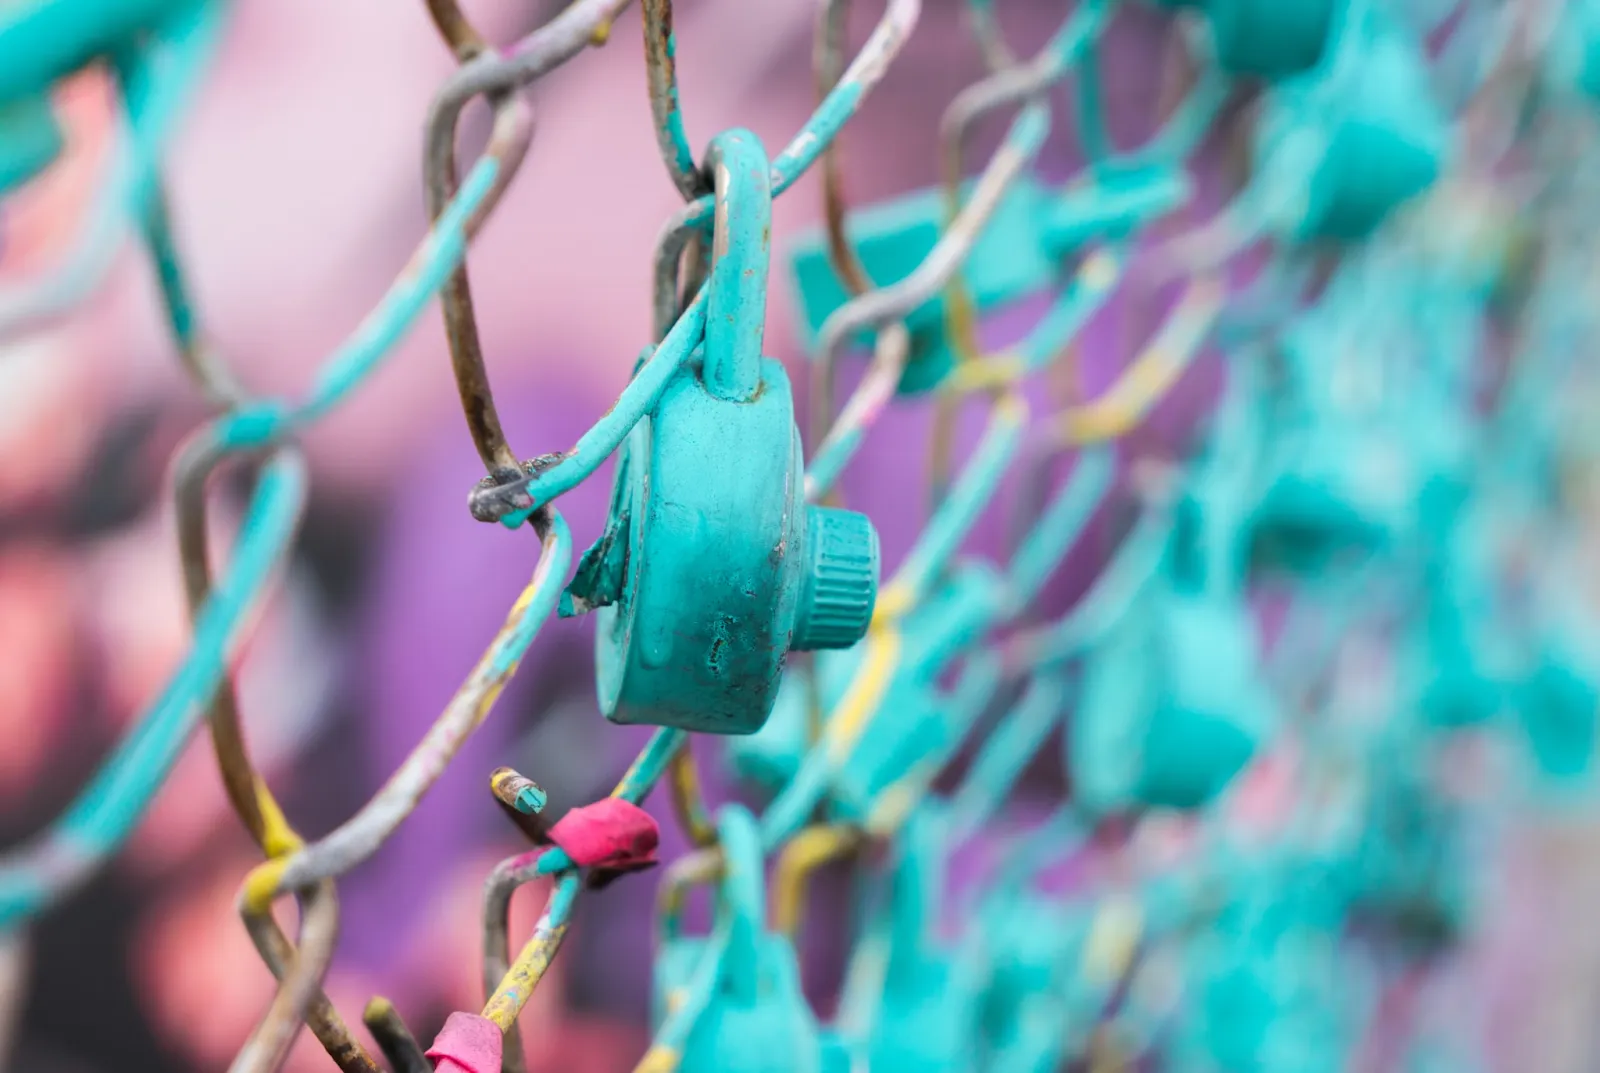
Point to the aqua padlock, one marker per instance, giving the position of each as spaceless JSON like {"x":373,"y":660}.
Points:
{"x":1263,"y":977}
{"x":1270,"y":38}
{"x":1457,"y":683}
{"x":1462,"y":657}
{"x":1557,"y":700}
{"x":42,"y":41}
{"x":1034,"y":948}
{"x":1171,"y":708}
{"x":1349,"y":477}
{"x":713,"y":567}
{"x":928,"y":1012}
{"x":1407,"y":867}
{"x":1356,"y":140}
{"x":1007,"y":263}
{"x":1558,"y":705}
{"x":732,"y":1001}
{"x":1172,"y":704}
{"x":30,"y":140}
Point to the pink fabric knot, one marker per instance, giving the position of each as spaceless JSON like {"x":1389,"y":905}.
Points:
{"x":467,"y":1043}
{"x":611,"y":836}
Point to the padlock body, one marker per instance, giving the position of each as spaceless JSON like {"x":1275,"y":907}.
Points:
{"x":697,"y":638}
{"x":1270,"y":38}
{"x":1558,"y":704}
{"x":1385,"y":139}
{"x":1171,"y":710}
{"x":1465,"y":660}
{"x":929,"y":1019}
{"x":770,"y":1031}
{"x":1348,"y":482}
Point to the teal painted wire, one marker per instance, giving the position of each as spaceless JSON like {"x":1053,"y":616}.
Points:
{"x":1059,"y":527}
{"x":980,"y":680}
{"x":1114,"y":592}
{"x":1005,"y":754}
{"x":791,"y":809}
{"x":1080,"y":300}
{"x":794,"y":805}
{"x":836,"y":108}
{"x":107,"y":810}
{"x":1183,"y":131}
{"x":1023,"y":140}
{"x":650,"y":765}
{"x":375,"y":338}
{"x":974,"y":488}
{"x":636,"y":400}
{"x":640,"y":778}
{"x":1091,"y":111}
{"x":828,"y":465}
{"x":156,"y":99}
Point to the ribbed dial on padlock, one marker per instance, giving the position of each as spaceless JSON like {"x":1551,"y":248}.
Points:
{"x":841,"y":581}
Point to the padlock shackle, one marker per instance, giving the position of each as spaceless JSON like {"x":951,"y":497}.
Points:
{"x":977,"y":485}
{"x":731,"y":960}
{"x":737,"y":864}
{"x":1113,"y":595}
{"x":741,"y":898}
{"x":916,"y":886}
{"x":741,"y":240}
{"x":1226,"y":489}
{"x":1055,"y":532}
